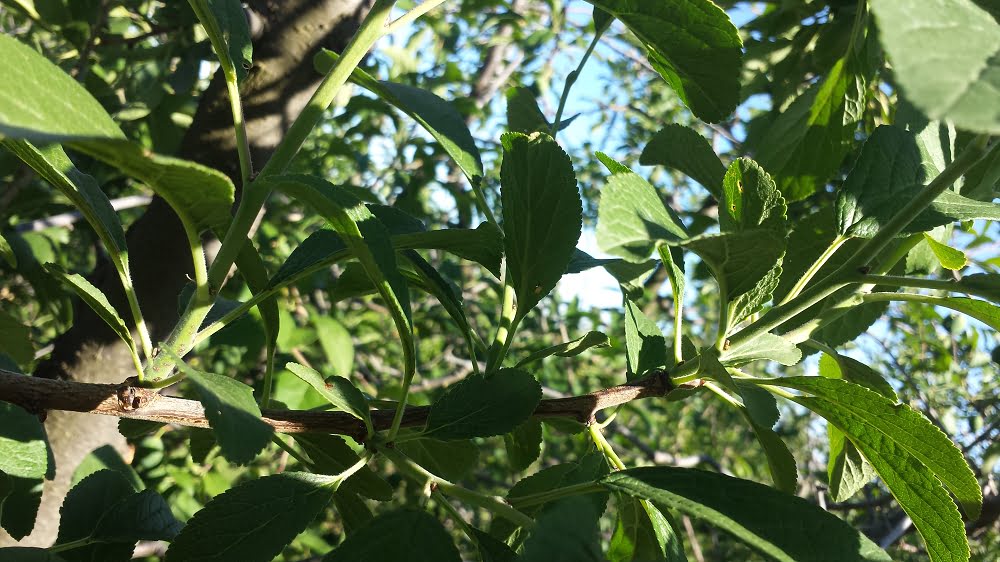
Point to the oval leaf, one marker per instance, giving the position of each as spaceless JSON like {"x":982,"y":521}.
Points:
{"x":685,"y":150}
{"x":405,"y":536}
{"x":483,"y":406}
{"x":338,"y":391}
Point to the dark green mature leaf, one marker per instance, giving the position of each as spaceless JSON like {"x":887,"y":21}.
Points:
{"x":523,"y":114}
{"x":693,"y":45}
{"x":780,"y":462}
{"x":482,"y":406}
{"x":565,"y":531}
{"x":434,"y":114}
{"x":141,"y":516}
{"x":645,"y":345}
{"x":983,"y":282}
{"x":643,"y":534}
{"x":632,"y":218}
{"x":960,"y":82}
{"x":483,"y":245}
{"x":106,"y":457}
{"x":739,"y":260}
{"x":847,"y":471}
{"x":852,"y":370}
{"x":542,"y":215}
{"x":984,"y":311}
{"x":446,"y":292}
{"x":95,"y":299}
{"x":806,"y":144}
{"x":338,"y":391}
{"x":352,"y":510}
{"x":332,"y":455}
{"x":879,"y":427}
{"x":15,"y":340}
{"x":491,"y":549}
{"x":891,"y":166}
{"x":451,"y":459}
{"x":524,"y":444}
{"x":232,"y":413}
{"x":19,"y":501}
{"x":951,"y":207}
{"x":780,"y":525}
{"x":255,"y":520}
{"x":685,"y":150}
{"x":750,"y":199}
{"x":36,"y":98}
{"x":226,"y":24}
{"x":24,"y":448}
{"x":631,"y":277}
{"x":589,"y":468}
{"x":404,"y":535}
{"x":568,"y":349}
{"x":6,"y":252}
{"x":765,"y":347}
{"x":28,"y":554}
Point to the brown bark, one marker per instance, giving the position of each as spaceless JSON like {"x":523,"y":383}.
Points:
{"x":287,"y":35}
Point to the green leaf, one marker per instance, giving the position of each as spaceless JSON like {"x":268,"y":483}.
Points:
{"x":452,"y":460}
{"x":523,"y":114}
{"x":24,"y":448}
{"x":645,"y":346}
{"x":984,"y":311}
{"x":882,"y":428}
{"x":338,"y":347}
{"x":847,"y":471}
{"x":780,"y":462}
{"x":95,"y":299}
{"x":491,"y":549}
{"x":892,"y":165}
{"x":568,"y":349}
{"x":232,"y":413}
{"x":28,"y":554}
{"x":403,"y":535}
{"x":338,"y":391}
{"x":226,"y":25}
{"x":6,"y":252}
{"x":483,"y":406}
{"x":631,"y":277}
{"x":565,"y":531}
{"x":446,"y":292}
{"x":765,"y":347}
{"x":483,"y":244}
{"x":15,"y":340}
{"x":989,"y":282}
{"x":643,"y":534}
{"x":524,"y":444}
{"x":960,"y":81}
{"x":542,"y":215}
{"x":332,"y":455}
{"x":852,"y":370}
{"x":19,"y":504}
{"x":589,"y":468}
{"x":255,"y":520}
{"x":106,"y":457}
{"x":739,"y":260}
{"x":693,"y":45}
{"x":36,"y":97}
{"x":362,"y":233}
{"x":750,"y":199}
{"x":685,"y":150}
{"x":949,"y":257}
{"x":632,"y":218}
{"x":352,"y":510}
{"x":806,"y":144}
{"x":434,"y":114}
{"x":781,"y":526}
{"x":141,"y":516}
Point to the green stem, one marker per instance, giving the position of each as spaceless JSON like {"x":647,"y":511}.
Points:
{"x":923,"y":283}
{"x":725,"y":314}
{"x":505,"y":327}
{"x":62,"y":547}
{"x":292,"y":452}
{"x":603,"y":445}
{"x":133,"y":305}
{"x":530,"y":500}
{"x":838,"y":241}
{"x":676,"y":287}
{"x":240,"y":126}
{"x":572,"y":77}
{"x":423,"y":477}
{"x":411,"y":16}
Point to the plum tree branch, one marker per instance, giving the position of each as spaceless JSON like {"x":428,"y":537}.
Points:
{"x":39,"y":395}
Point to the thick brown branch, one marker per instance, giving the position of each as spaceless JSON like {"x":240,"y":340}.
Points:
{"x":39,"y":395}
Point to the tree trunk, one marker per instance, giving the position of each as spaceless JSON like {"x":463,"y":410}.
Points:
{"x":287,"y":34}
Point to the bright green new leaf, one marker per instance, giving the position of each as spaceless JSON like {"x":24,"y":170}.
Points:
{"x":632,"y":218}
{"x":482,"y":406}
{"x":879,"y":427}
{"x":253,"y":521}
{"x":232,"y":413}
{"x":434,"y":114}
{"x":95,"y":299}
{"x":336,"y":343}
{"x":685,"y":150}
{"x":782,"y":526}
{"x":568,"y":349}
{"x":542,"y":215}
{"x":643,"y":534}
{"x":750,"y":199}
{"x":330,"y":454}
{"x":452,"y":460}
{"x":645,"y":345}
{"x":738,"y":260}
{"x":338,"y":391}
{"x":949,"y":257}
{"x":6,"y":252}
{"x":36,"y":98}
{"x":565,"y":531}
{"x":693,"y":45}
{"x":524,"y":444}
{"x":852,"y":370}
{"x":961,"y":80}
{"x":402,"y":535}
{"x":24,"y":448}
